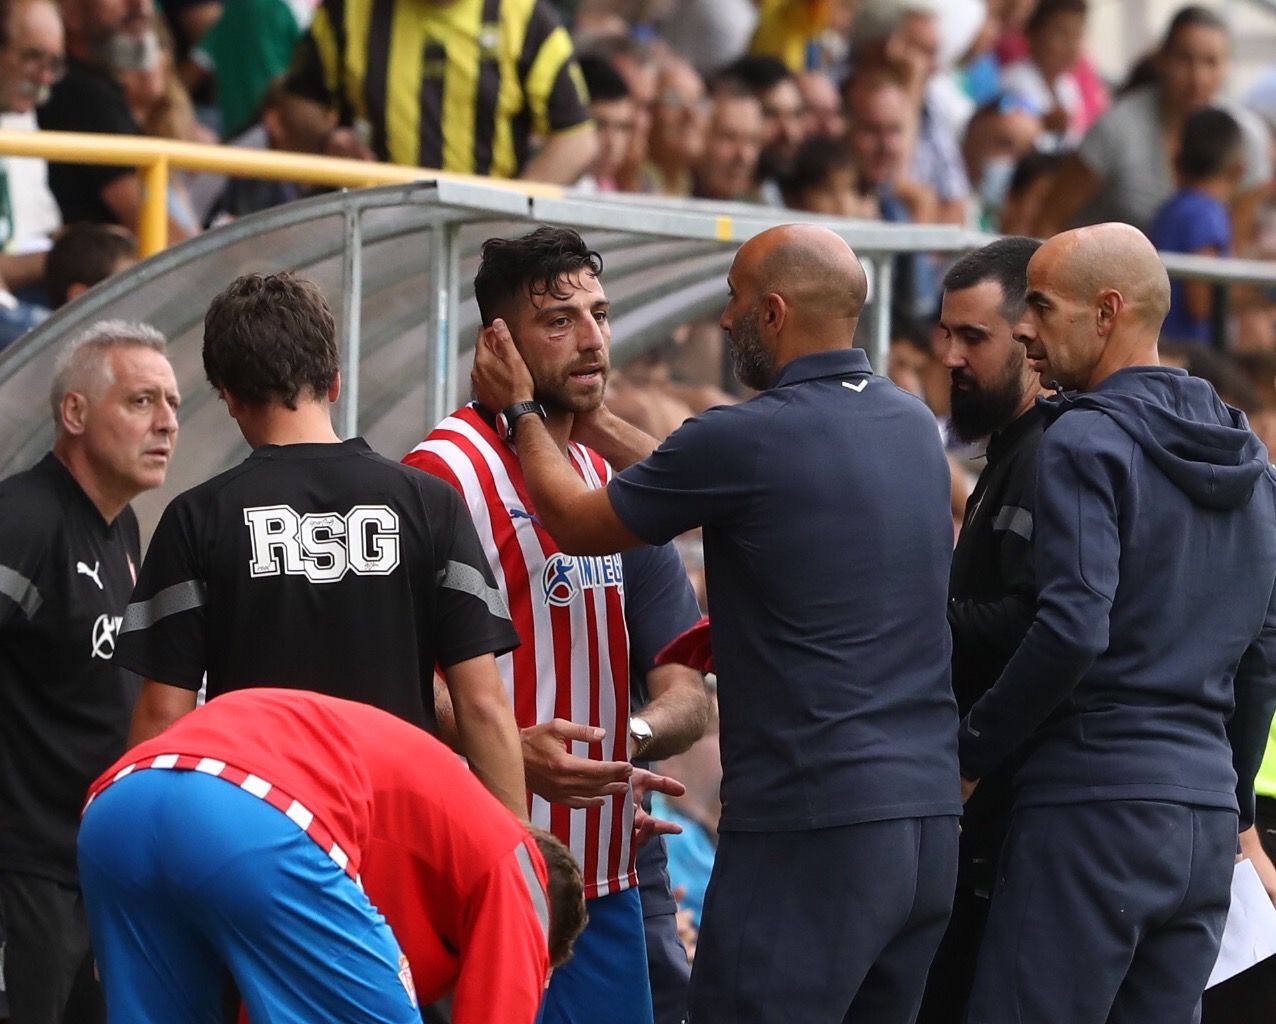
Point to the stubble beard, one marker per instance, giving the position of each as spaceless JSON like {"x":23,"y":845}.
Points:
{"x":753,"y":364}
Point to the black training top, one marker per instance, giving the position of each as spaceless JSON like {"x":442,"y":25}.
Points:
{"x":320,"y":567}
{"x":828,"y":537}
{"x":86,"y":100}
{"x":992,"y":598}
{"x":65,"y":577}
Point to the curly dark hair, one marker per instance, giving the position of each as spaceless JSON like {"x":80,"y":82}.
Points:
{"x":567,"y":916}
{"x":533,"y":264}
{"x":271,"y":338}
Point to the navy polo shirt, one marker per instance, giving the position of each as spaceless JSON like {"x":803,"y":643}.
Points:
{"x":825,"y":503}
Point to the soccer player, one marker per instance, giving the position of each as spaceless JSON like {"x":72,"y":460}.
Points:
{"x":280,"y":826}
{"x":316,"y":563}
{"x":570,"y":678}
{"x":1141,"y":694}
{"x":68,"y":557}
{"x":827,"y":566}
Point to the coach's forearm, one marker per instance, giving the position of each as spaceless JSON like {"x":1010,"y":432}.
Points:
{"x":678,"y":712}
{"x":554,"y":485}
{"x":581,"y":520}
{"x":616,"y":440}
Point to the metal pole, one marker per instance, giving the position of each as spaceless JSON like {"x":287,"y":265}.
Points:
{"x":351,"y":322}
{"x":883,"y":283}
{"x":445,"y":391}
{"x":153,"y":223}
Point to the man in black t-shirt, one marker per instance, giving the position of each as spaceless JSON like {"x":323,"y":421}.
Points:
{"x":316,"y":563}
{"x":68,"y":556}
{"x":104,"y":38}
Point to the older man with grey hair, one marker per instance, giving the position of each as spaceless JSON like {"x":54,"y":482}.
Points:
{"x":69,"y":549}
{"x":904,"y":38}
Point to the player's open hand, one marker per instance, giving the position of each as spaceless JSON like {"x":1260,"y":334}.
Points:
{"x":500,"y":377}
{"x":647,"y":825}
{"x":562,"y":777}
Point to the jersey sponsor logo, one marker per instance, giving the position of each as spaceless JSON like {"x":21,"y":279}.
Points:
{"x":565,"y":576}
{"x":105,"y":630}
{"x":522,"y":513}
{"x":92,"y":574}
{"x":323,"y":546}
{"x":405,"y":976}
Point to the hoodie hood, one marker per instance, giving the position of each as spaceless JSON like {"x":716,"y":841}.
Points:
{"x":1204,"y":447}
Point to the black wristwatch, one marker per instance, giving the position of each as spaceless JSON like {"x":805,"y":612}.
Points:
{"x":505,"y":420}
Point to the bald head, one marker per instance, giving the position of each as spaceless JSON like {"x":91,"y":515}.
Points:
{"x":1111,"y":257}
{"x":796,"y":289}
{"x":1096,"y":300}
{"x":812,"y":268}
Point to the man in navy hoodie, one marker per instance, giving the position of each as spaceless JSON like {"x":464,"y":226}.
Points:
{"x":1140,"y":697}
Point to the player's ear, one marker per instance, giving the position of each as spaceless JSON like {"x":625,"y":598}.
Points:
{"x":233,"y":405}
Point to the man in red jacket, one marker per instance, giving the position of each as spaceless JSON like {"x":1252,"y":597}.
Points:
{"x":269,"y":831}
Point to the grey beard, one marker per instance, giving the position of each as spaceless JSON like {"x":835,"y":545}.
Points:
{"x":123,"y":52}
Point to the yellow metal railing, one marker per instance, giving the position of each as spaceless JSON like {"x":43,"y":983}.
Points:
{"x":157,"y":158}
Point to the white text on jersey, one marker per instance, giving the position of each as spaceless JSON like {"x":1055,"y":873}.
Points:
{"x":565,"y":576}
{"x":323,"y":546}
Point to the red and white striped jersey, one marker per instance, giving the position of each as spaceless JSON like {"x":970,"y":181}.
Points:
{"x":570,"y":614}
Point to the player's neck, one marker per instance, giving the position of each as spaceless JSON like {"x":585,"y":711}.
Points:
{"x":559,"y":424}
{"x":309,"y":423}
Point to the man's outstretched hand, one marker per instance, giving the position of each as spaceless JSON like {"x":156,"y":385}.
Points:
{"x":646,"y":826}
{"x":562,"y":777}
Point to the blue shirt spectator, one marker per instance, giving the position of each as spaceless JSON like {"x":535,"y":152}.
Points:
{"x":1191,"y":221}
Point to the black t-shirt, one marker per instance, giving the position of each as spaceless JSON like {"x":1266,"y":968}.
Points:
{"x":86,"y":100}
{"x":65,"y":578}
{"x":320,"y":567}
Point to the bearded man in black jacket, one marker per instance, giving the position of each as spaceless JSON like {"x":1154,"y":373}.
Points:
{"x":992,"y":592}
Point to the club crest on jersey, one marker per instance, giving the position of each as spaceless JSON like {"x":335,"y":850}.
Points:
{"x":565,"y":576}
{"x":105,"y":629}
{"x":323,"y":546}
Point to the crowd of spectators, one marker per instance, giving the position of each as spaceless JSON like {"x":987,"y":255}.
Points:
{"x":985,"y":113}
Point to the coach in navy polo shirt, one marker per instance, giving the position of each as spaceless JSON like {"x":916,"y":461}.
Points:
{"x":825,"y":507}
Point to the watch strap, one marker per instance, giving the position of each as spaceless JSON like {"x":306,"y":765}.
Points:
{"x":513,"y":413}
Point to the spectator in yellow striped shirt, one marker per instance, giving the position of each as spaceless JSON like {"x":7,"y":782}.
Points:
{"x":458,"y":85}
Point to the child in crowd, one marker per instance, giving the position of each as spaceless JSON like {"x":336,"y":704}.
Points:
{"x":86,"y":254}
{"x":1210,"y":166}
{"x":824,"y":180}
{"x":615,"y":116}
{"x":1045,"y":78}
